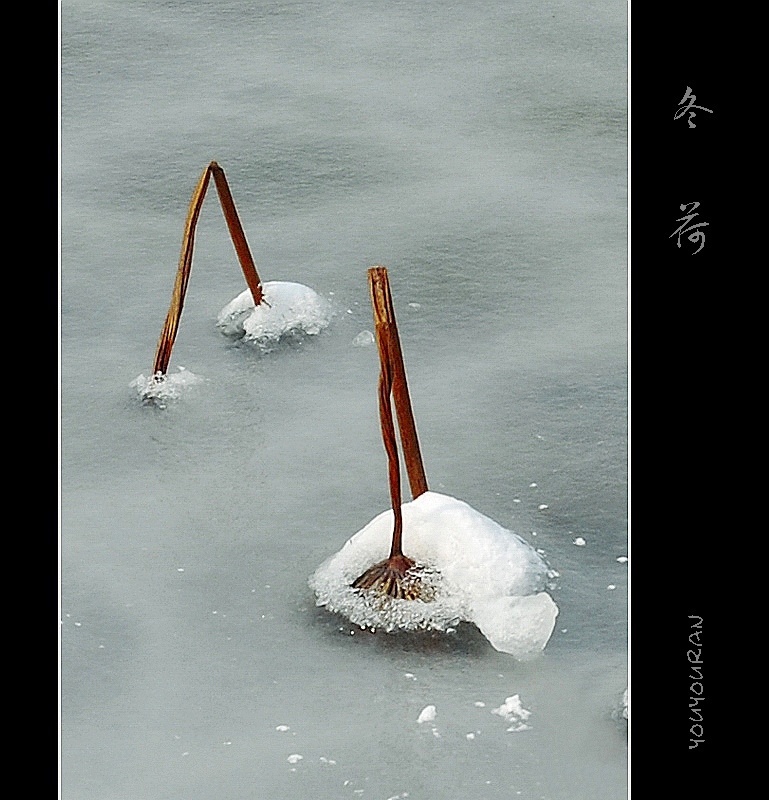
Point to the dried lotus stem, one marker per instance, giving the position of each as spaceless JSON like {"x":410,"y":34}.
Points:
{"x":171,"y":325}
{"x":397,"y":576}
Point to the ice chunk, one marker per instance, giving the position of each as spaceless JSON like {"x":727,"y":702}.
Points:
{"x":476,"y":570}
{"x":364,"y":339}
{"x":513,"y":712}
{"x":520,"y":626}
{"x":427,"y":714}
{"x":621,"y":710}
{"x":288,"y":309}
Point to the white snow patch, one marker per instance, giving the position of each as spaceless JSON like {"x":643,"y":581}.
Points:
{"x":287,"y":309}
{"x":427,"y":714}
{"x":294,"y":758}
{"x":282,"y":728}
{"x":513,"y":712}
{"x":580,"y":542}
{"x":477,"y":570}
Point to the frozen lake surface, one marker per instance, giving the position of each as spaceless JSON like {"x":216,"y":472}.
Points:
{"x":478,"y":150}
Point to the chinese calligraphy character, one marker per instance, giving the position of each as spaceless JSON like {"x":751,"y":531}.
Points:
{"x":697,"y":235}
{"x":691,"y":98}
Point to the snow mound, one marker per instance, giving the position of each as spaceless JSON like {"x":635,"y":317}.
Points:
{"x":160,"y":388}
{"x":476,"y":570}
{"x":288,"y":309}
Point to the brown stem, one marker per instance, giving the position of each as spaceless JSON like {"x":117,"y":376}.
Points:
{"x":390,"y":440}
{"x":236,"y":233}
{"x":171,"y":325}
{"x":386,"y":327}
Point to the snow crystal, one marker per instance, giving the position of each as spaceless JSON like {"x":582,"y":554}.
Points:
{"x":513,"y":712}
{"x":159,"y":388}
{"x":427,"y":714}
{"x":475,"y":570}
{"x":287,"y":309}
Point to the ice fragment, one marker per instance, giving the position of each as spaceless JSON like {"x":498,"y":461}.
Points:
{"x":427,"y":714}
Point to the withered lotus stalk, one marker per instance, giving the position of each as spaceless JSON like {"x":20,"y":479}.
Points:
{"x":398,"y":576}
{"x":171,"y":326}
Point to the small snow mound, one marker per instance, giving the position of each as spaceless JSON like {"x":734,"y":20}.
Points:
{"x":288,"y":309}
{"x":159,"y":388}
{"x":474,"y":569}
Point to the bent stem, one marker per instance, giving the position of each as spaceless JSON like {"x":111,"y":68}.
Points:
{"x":171,"y":325}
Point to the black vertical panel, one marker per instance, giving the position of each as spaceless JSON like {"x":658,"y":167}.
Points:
{"x":687,"y":571}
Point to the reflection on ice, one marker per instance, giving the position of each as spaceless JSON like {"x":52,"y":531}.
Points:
{"x":477,"y":572}
{"x":287,"y":308}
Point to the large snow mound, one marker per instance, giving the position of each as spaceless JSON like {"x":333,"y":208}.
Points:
{"x":477,"y":571}
{"x":287,"y":309}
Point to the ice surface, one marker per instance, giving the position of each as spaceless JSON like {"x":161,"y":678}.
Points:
{"x":478,"y":571}
{"x":288,"y":309}
{"x":161,"y":388}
